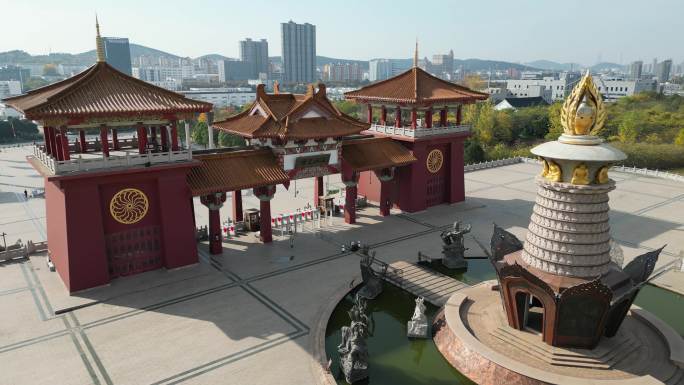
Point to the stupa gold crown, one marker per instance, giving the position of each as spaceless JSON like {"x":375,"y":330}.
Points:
{"x":583,"y":112}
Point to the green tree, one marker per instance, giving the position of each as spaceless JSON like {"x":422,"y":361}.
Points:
{"x":473,"y":152}
{"x":627,"y":130}
{"x":484,"y":125}
{"x":200,"y":134}
{"x":679,"y":140}
{"x":230,"y":140}
{"x":555,"y":126}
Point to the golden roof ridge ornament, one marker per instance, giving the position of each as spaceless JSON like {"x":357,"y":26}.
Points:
{"x":583,"y":114}
{"x":98,"y":42}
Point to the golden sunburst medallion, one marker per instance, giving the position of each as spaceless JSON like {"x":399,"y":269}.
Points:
{"x":128,"y":206}
{"x":434,"y":162}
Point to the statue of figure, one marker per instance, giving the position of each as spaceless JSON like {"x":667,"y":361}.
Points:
{"x":372,"y":283}
{"x":555,"y":174}
{"x":418,"y":326}
{"x":353,"y":348}
{"x":580,"y":175}
{"x":545,"y":170}
{"x":454,"y":246}
{"x":602,"y":175}
{"x":584,"y":118}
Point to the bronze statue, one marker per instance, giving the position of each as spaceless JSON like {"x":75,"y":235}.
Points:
{"x":454,"y":246}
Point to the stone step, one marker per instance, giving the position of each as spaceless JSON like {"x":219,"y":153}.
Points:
{"x":677,"y":378}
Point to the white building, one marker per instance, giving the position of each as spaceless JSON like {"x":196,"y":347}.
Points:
{"x":559,"y":86}
{"x":9,"y":112}
{"x":222,"y":97}
{"x":9,"y":88}
{"x":613,"y":88}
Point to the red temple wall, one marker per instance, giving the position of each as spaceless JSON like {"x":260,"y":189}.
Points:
{"x":79,"y":219}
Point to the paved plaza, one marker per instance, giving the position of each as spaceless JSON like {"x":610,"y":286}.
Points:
{"x":246,"y":317}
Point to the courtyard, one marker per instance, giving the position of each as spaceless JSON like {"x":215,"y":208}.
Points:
{"x":248,"y":316}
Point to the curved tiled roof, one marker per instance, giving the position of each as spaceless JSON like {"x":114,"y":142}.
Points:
{"x":283,"y":116}
{"x":416,"y":86}
{"x":375,"y":153}
{"x":102,"y":91}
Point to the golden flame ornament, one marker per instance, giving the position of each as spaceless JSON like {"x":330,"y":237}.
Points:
{"x":128,"y":206}
{"x":584,"y":112}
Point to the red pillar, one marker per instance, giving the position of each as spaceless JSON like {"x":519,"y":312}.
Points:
{"x":115,"y":139}
{"x":215,"y":246}
{"x":55,"y":146}
{"x":318,"y":190}
{"x":443,"y":117}
{"x":350,"y":204}
{"x":385,"y":203}
{"x":48,"y":141}
{"x":428,"y":118}
{"x":383,"y":115}
{"x":65,"y":143}
{"x":414,"y":118}
{"x":142,"y":138}
{"x":237,"y":206}
{"x":369,"y":113}
{"x":174,"y":136}
{"x":459,"y":114}
{"x":265,"y":218}
{"x":397,"y":117}
{"x":59,"y":153}
{"x":84,"y":143}
{"x":164,"y":138}
{"x":104,"y":140}
{"x":456,"y":180}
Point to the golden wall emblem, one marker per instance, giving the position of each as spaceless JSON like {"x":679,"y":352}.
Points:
{"x":584,"y":112}
{"x":434,"y":162}
{"x":128,"y":206}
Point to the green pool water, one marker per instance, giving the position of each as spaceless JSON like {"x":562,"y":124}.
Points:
{"x":396,"y":360}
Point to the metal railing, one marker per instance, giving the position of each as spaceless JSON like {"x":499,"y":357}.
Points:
{"x":419,"y":132}
{"x":58,"y":167}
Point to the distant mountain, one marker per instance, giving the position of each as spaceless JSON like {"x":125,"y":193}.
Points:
{"x":215,"y":57}
{"x":495,"y":65}
{"x":554,"y":66}
{"x":323,"y":60}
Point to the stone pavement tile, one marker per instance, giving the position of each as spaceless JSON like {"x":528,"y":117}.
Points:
{"x":654,"y":186}
{"x":246,"y":256}
{"x":15,"y":220}
{"x":471,"y":185}
{"x":498,"y":175}
{"x":287,"y":363}
{"x":630,"y":202}
{"x":371,"y":228}
{"x":671,"y":211}
{"x":51,"y":362}
{"x":155,"y":345}
{"x":525,"y":185}
{"x":651,"y":232}
{"x":195,"y":277}
{"x":531,"y":169}
{"x":12,"y":276}
{"x":505,"y":196}
{"x":21,"y":320}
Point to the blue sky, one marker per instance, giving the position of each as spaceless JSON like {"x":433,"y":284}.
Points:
{"x":518,"y":31}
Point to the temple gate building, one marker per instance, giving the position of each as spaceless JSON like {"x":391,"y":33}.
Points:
{"x":437,"y":176}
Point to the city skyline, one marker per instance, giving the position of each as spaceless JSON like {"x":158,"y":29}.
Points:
{"x":353,"y":33}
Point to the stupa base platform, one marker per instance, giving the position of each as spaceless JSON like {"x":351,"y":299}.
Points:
{"x":472,"y":333}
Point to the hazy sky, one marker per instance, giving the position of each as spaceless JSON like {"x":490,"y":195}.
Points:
{"x":518,"y":31}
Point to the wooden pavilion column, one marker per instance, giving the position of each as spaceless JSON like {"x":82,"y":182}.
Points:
{"x":104,"y":140}
{"x":83,"y":141}
{"x":428,"y":117}
{"x":369,"y":113}
{"x":142,"y":138}
{"x":383,"y":115}
{"x":414,"y":118}
{"x":237,"y":206}
{"x":65,"y":143}
{"x":153,"y":137}
{"x":48,"y":136}
{"x":115,"y":139}
{"x":459,"y":114}
{"x":164,"y":137}
{"x":57,"y":144}
{"x":265,"y":194}
{"x":443,"y":117}
{"x":397,"y":116}
{"x":174,"y":135}
{"x":318,"y":190}
{"x":214,"y":202}
{"x":350,"y":178}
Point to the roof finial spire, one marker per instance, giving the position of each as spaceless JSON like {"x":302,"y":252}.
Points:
{"x":98,"y":42}
{"x":415,"y":55}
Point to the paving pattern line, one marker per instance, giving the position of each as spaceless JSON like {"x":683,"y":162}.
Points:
{"x":89,"y":346}
{"x":81,"y":353}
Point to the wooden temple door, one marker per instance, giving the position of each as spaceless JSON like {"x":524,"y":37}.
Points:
{"x":134,"y":251}
{"x":438,"y":176}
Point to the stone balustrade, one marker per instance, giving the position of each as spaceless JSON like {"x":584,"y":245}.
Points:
{"x":418,"y":132}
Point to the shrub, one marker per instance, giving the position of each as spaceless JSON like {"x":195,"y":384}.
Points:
{"x":653,"y":156}
{"x":501,"y":151}
{"x":473,"y":152}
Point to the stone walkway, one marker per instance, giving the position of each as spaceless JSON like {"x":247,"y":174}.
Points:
{"x":244,"y":317}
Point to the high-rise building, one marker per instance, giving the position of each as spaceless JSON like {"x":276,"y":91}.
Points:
{"x":381,"y":69}
{"x":255,"y":53}
{"x":443,"y":65}
{"x":9,"y":88}
{"x":12,"y":72}
{"x":654,"y":66}
{"x":299,"y":52}
{"x":663,"y":69}
{"x":232,"y":70}
{"x":635,"y":69}
{"x":342,"y":72}
{"x":118,"y":53}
